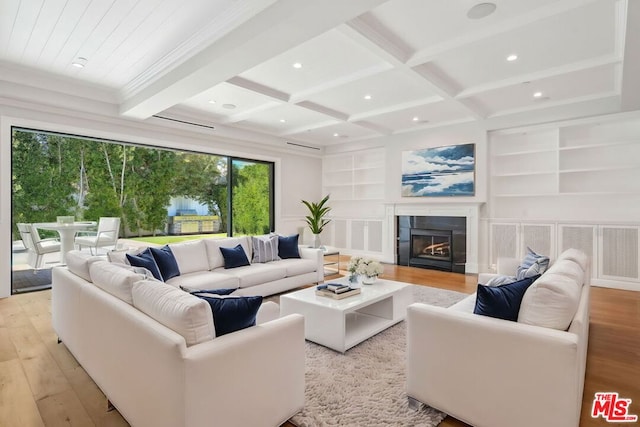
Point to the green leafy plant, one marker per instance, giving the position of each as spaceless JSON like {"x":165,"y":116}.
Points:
{"x":317,"y":211}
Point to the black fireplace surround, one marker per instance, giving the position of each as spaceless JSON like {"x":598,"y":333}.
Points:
{"x":436,"y":242}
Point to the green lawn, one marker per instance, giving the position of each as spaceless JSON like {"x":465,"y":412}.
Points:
{"x":163,"y":240}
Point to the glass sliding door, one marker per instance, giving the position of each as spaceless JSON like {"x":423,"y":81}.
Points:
{"x":160,"y":195}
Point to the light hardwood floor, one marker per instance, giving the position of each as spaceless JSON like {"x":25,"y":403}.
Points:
{"x":41,"y":384}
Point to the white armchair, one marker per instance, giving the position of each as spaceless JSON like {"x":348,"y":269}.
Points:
{"x":106,"y":235}
{"x":491,"y":372}
{"x":36,"y":246}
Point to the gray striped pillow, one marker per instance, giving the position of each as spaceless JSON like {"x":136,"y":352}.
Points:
{"x":265,"y":248}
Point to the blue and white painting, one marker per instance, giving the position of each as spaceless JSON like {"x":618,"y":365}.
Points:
{"x":439,"y":172}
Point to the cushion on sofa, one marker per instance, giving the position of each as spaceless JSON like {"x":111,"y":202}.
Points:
{"x":500,"y":280}
{"x":532,"y":265}
{"x":234,"y":257}
{"x":575,"y":255}
{"x":166,"y":262}
{"x":190,"y":256}
{"x":205,"y":280}
{"x":265,"y":248}
{"x":255,"y":274}
{"x":145,"y":259}
{"x":214,"y":256}
{"x":114,"y":279}
{"x":568,"y":268}
{"x":296,"y":266}
{"x":551,"y":302}
{"x":502,"y":302}
{"x":233,"y":313}
{"x":120,"y":256}
{"x":78,"y":263}
{"x":179,"y":311}
{"x":288,"y":247}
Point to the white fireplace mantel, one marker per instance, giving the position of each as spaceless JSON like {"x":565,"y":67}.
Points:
{"x":471,"y":211}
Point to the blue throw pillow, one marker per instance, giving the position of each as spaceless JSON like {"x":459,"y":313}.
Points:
{"x":234,"y":257}
{"x":502,"y":302}
{"x":233,"y":313}
{"x":145,"y":259}
{"x":288,"y":247}
{"x":166,"y":262}
{"x":224,"y":291}
{"x":532,"y":265}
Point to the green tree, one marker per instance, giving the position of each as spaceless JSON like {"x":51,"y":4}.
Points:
{"x":203,"y":177}
{"x":251,"y":198}
{"x":44,"y":167}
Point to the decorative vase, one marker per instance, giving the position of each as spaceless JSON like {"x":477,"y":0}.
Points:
{"x":369,"y":280}
{"x":316,"y":241}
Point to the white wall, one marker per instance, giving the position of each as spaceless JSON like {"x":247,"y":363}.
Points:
{"x":297,"y":172}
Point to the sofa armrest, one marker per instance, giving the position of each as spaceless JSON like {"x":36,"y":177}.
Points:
{"x":479,"y":369}
{"x":316,"y":255}
{"x":252,"y":377}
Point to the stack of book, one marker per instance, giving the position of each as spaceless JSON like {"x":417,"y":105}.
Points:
{"x":336,"y":290}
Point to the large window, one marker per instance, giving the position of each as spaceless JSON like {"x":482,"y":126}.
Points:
{"x":153,"y":190}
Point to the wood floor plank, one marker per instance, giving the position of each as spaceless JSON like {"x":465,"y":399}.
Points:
{"x":17,"y":405}
{"x":64,"y":409}
{"x":43,"y":373}
{"x":7,"y":349}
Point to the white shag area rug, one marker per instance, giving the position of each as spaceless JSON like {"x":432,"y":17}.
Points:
{"x":366,"y":386}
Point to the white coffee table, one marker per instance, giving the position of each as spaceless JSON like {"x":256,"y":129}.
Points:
{"x":341,"y":324}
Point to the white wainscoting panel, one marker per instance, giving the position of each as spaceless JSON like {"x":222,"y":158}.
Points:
{"x":619,"y":253}
{"x":538,"y":237}
{"x":504,"y":241}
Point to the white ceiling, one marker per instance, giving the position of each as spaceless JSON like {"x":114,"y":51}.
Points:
{"x":423,"y":63}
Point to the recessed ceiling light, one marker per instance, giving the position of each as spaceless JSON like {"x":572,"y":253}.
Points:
{"x":211,"y":101}
{"x":297,"y":65}
{"x":367,"y":97}
{"x":229,"y":106}
{"x":481,"y":10}
{"x":336,"y":134}
{"x":512,"y":57}
{"x":282,"y":120}
{"x":79,"y":62}
{"x":415,"y":119}
{"x":537,"y":94}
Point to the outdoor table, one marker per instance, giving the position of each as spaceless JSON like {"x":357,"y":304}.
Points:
{"x":67,"y":233}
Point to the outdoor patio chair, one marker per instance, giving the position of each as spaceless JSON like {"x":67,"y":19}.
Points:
{"x":106,"y":235}
{"x":36,"y":246}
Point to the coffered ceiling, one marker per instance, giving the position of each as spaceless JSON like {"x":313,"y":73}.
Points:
{"x":323,"y":72}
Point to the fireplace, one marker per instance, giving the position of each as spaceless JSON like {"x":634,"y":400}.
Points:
{"x":430,"y":248}
{"x":436,"y":242}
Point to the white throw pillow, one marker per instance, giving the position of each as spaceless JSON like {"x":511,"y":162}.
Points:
{"x":551,"y":301}
{"x":179,"y":311}
{"x":114,"y":279}
{"x":190,"y":256}
{"x":575,"y":255}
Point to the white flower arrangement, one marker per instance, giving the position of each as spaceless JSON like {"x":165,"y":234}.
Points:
{"x":364,"y":266}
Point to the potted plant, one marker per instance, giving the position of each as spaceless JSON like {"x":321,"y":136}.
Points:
{"x":316,"y":218}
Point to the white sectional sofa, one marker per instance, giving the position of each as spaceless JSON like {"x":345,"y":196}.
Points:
{"x":152,"y":349}
{"x":492,"y":372}
{"x":201,"y":266}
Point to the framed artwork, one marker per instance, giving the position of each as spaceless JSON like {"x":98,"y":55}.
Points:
{"x":439,"y":172}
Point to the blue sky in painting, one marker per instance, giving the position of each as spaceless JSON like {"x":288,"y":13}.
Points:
{"x":440,"y":171}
